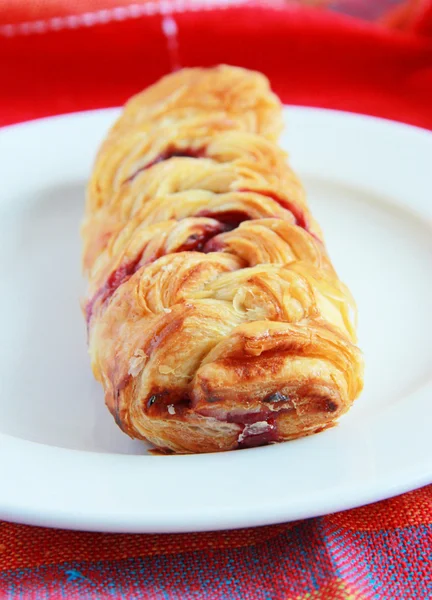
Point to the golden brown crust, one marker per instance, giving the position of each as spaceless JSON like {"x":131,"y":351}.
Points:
{"x":216,"y":320}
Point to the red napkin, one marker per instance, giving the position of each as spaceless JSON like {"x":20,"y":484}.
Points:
{"x":313,"y":57}
{"x":382,"y":551}
{"x":59,"y":57}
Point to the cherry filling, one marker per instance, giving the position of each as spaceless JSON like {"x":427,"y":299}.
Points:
{"x":246,"y":418}
{"x":166,"y":402}
{"x":259,"y":428}
{"x":197,"y":241}
{"x":203,"y":241}
{"x":170,"y":152}
{"x":251,"y":438}
{"x":117,"y":277}
{"x":229,"y":220}
{"x":296,"y":211}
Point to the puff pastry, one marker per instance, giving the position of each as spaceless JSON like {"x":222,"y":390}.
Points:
{"x":215,"y":318}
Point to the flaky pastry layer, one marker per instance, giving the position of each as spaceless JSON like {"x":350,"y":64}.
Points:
{"x":215,"y":318}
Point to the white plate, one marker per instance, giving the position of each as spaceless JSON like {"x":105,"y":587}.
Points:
{"x":64,"y":463}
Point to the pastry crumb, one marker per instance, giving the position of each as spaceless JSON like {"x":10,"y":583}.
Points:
{"x":137,"y":362}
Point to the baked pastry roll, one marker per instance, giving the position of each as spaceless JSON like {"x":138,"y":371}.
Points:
{"x":215,"y":318}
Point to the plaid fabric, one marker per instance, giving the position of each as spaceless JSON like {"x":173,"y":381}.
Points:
{"x":52,"y":62}
{"x":380,"y":551}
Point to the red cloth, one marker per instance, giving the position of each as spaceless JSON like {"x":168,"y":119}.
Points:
{"x":312,"y":58}
{"x":382,"y":551}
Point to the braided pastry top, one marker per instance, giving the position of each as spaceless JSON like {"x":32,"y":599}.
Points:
{"x":215,"y":317}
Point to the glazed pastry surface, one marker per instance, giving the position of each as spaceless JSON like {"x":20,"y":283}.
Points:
{"x":215,"y":318}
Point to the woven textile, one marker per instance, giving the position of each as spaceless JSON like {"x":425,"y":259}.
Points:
{"x":379,"y":551}
{"x":314,"y":58}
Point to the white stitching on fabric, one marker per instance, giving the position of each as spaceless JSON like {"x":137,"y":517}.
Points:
{"x":118,"y":13}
